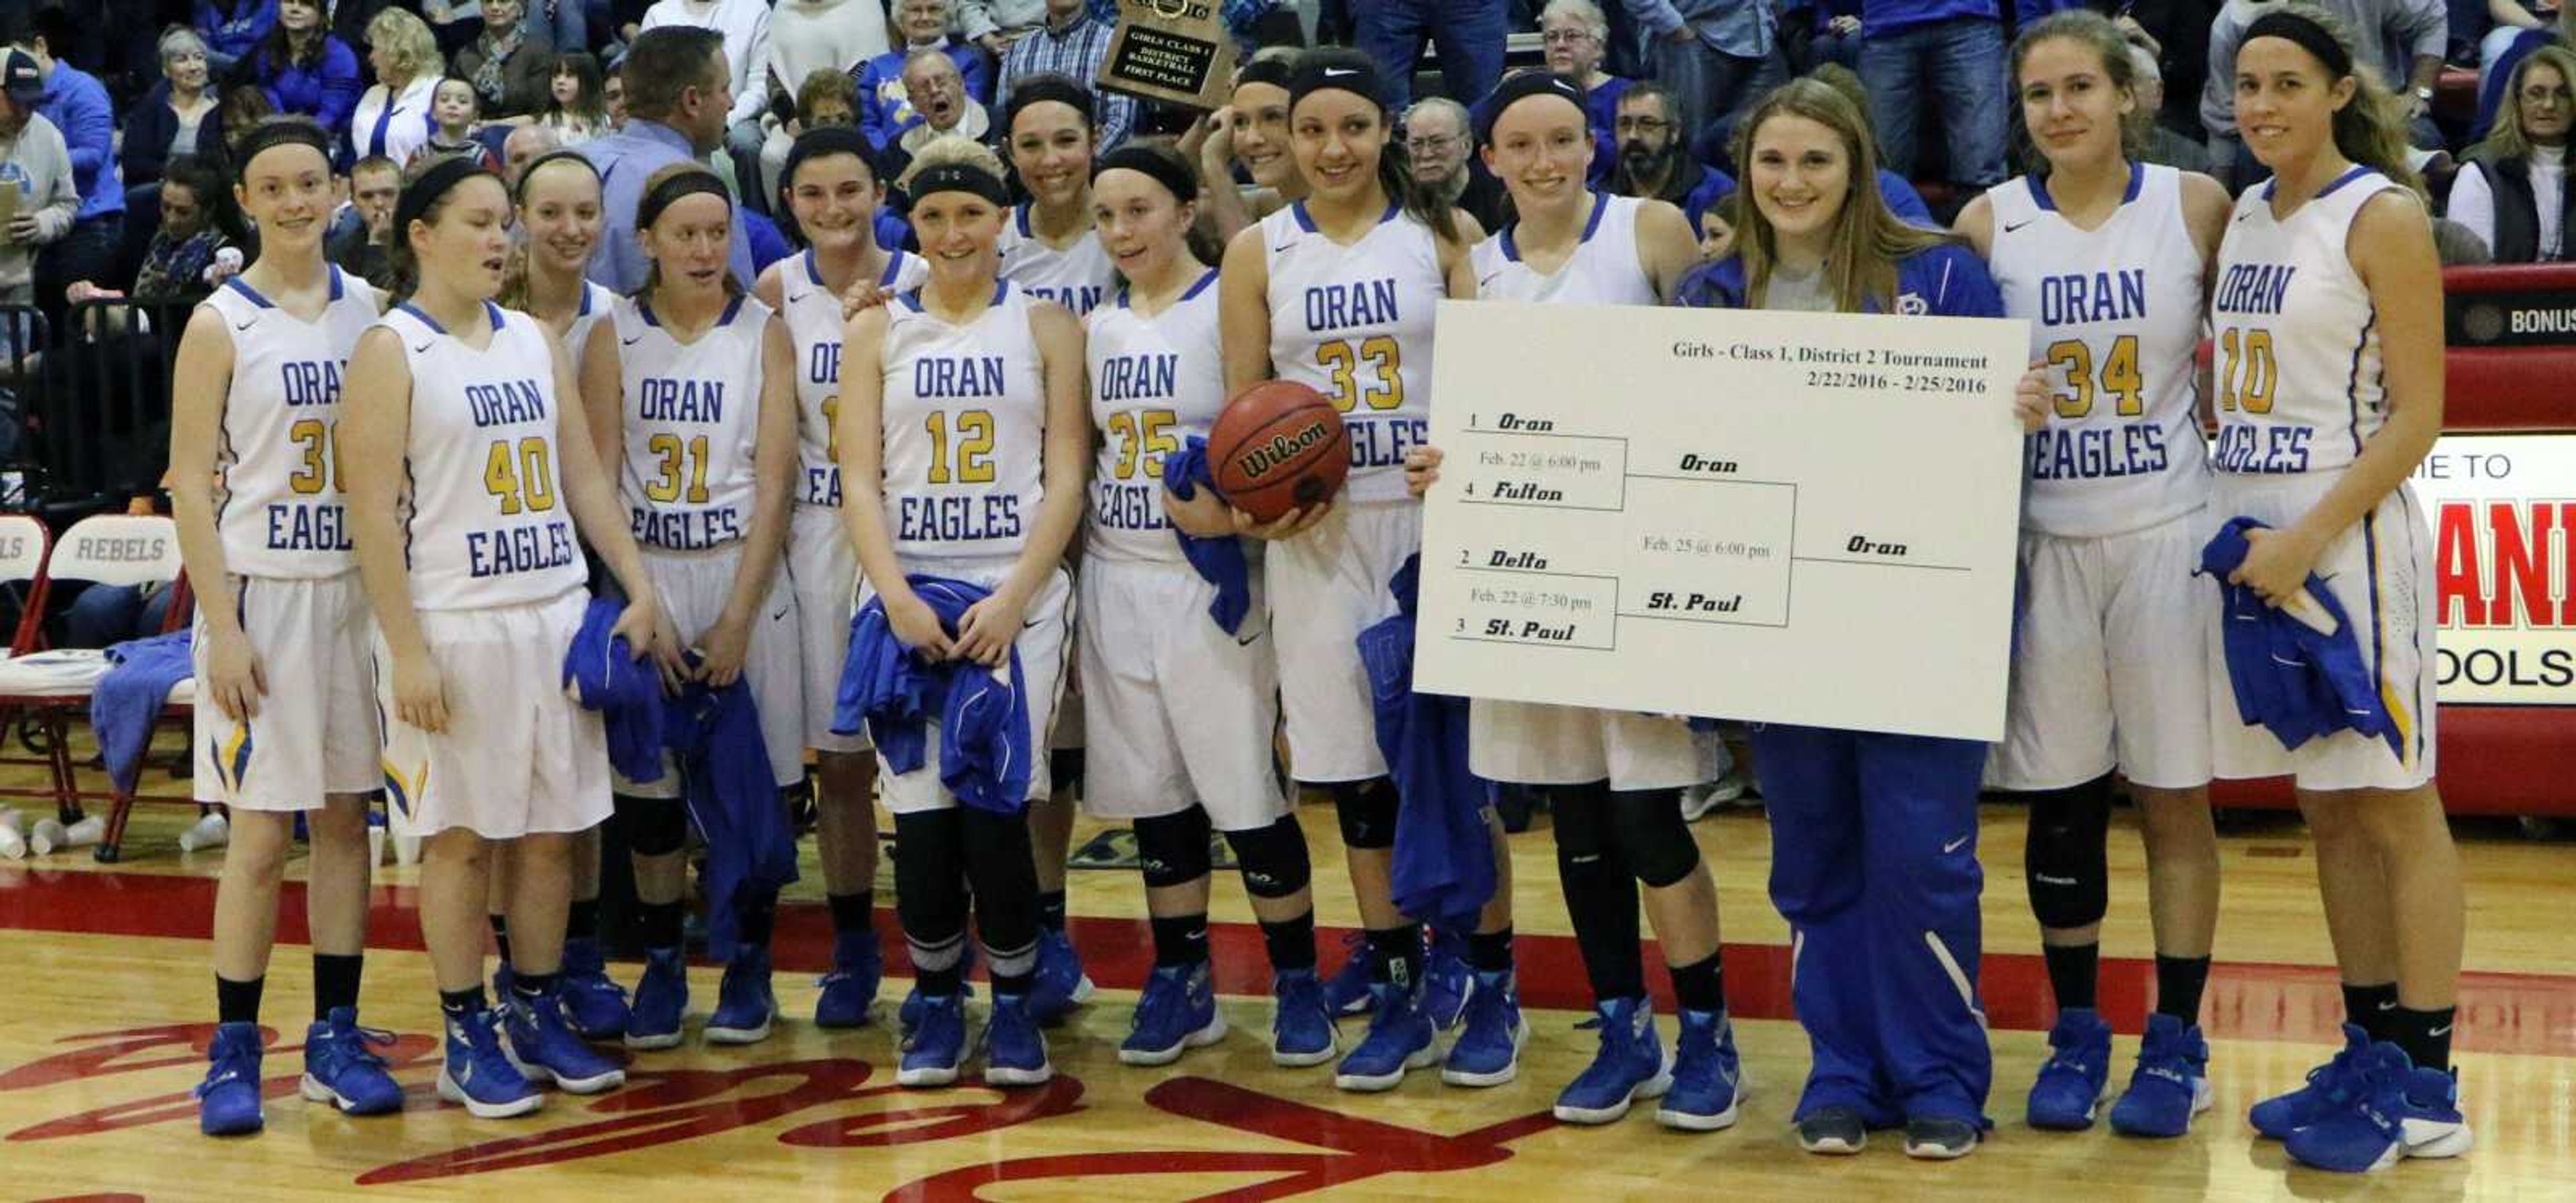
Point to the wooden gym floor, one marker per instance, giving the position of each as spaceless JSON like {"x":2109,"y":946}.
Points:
{"x":108,"y":1010}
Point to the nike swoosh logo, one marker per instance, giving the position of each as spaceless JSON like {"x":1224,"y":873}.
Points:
{"x":422,"y":349}
{"x":631,"y":341}
{"x":2388,"y":1005}
{"x":1282,"y":248}
{"x":779,"y":615}
{"x":1956,"y":844}
{"x":247,"y":325}
{"x":2012,"y":226}
{"x":1248,"y":640}
{"x":2443,"y":1030}
{"x":1338,"y":72}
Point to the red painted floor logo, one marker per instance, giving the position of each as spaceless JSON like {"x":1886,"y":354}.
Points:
{"x":663,"y":1107}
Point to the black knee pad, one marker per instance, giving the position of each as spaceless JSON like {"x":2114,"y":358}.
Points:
{"x":1173,"y":848}
{"x":1002,"y":872}
{"x":1065,"y":768}
{"x":2068,"y":871}
{"x":1580,"y":817}
{"x":654,"y":826}
{"x":1273,"y":858}
{"x":929,"y":874}
{"x":1657,"y":844}
{"x":1367,"y":812}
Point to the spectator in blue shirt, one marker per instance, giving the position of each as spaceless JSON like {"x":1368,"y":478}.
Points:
{"x":233,"y":29}
{"x":1919,"y":53}
{"x":1716,"y":56}
{"x":679,"y":88}
{"x":1072,"y":44}
{"x":180,"y":115}
{"x":306,"y":69}
{"x":885,"y":107}
{"x":1469,"y":34}
{"x":77,"y":104}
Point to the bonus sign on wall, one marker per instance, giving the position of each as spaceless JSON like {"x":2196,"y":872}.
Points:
{"x":2503,"y":510}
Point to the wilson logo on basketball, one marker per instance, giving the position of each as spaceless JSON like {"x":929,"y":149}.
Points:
{"x":1258,"y":460}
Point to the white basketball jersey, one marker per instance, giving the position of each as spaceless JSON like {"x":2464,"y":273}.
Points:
{"x":813,"y":315}
{"x":2116,"y":310}
{"x":1155,"y":382}
{"x":596,"y":299}
{"x":2300,"y":385}
{"x":692,"y":414}
{"x":1078,"y":277}
{"x":484,"y":521}
{"x":965,"y":429}
{"x":1354,"y":323}
{"x":278,"y":505}
{"x":1604,"y":269}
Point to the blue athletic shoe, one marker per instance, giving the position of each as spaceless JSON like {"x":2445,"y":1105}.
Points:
{"x":1347,"y":991}
{"x":2077,"y":1074}
{"x":1708,"y":1078}
{"x":479,"y":1075}
{"x":744,"y":1003}
{"x":1399,"y":1038}
{"x":1302,"y":1031}
{"x":594,"y":1005}
{"x":1446,"y":981}
{"x":2399,"y":1111}
{"x":661,"y":1001}
{"x":851,"y":987}
{"x":1059,"y":984}
{"x":228,"y":1100}
{"x":544,"y":1047}
{"x":1630,"y":1065}
{"x":2331,"y":1087}
{"x":934,"y":1045}
{"x":1491,"y":1031}
{"x":341,"y":1070}
{"x":909,"y":1014}
{"x":1176,"y":1013}
{"x":1015,"y":1052}
{"x":2170,"y":1085}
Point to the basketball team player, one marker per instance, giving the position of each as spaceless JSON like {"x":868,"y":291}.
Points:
{"x":559,"y":209}
{"x":964,"y":400}
{"x":830,"y":187}
{"x":1873,"y":834}
{"x":1251,"y":130}
{"x":1337,"y":292}
{"x":2108,"y":259}
{"x":1050,"y":248}
{"x":471,"y":468}
{"x":1185,"y":708}
{"x":690,"y":388}
{"x":1615,"y":779}
{"x":2328,"y":321}
{"x":283,"y":727}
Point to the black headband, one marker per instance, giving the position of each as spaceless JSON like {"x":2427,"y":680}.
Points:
{"x":1271,"y":71}
{"x":1523,"y":86}
{"x":2314,"y":38}
{"x":519,"y":195}
{"x":1166,"y":169}
{"x":958,"y":177}
{"x":1042,"y":88}
{"x":1351,"y":73}
{"x":825,"y":140}
{"x":441,"y":178}
{"x":686,"y":183}
{"x":269,"y":135}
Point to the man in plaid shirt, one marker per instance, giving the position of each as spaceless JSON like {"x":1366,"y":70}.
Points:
{"x":1072,"y":43}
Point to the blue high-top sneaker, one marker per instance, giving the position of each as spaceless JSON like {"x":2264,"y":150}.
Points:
{"x":1015,"y":1051}
{"x":228,"y":1100}
{"x":2400,"y":1111}
{"x":545,"y":1048}
{"x":1446,"y":980}
{"x":934,"y":1041}
{"x":661,"y":1001}
{"x":745,"y":1005}
{"x":1177,"y":1012}
{"x":1302,"y":1031}
{"x":1628,"y":1066}
{"x":594,"y":1004}
{"x":1399,"y":1039}
{"x":1059,"y":984}
{"x":479,"y":1075}
{"x":2170,"y":1085}
{"x":1346,"y":992}
{"x":2330,"y":1088}
{"x":1708,"y":1078}
{"x":1491,"y":1031}
{"x":341,"y":1070}
{"x":2077,"y":1074}
{"x":858,"y":966}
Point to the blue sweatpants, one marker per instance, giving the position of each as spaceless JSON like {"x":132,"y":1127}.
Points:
{"x":1874,"y":865}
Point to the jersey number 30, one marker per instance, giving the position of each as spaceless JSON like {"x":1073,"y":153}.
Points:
{"x":1385,"y":360}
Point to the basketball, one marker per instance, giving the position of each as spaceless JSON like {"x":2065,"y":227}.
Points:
{"x":1278,"y":446}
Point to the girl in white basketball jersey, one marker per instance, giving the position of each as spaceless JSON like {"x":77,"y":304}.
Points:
{"x":471,"y":468}
{"x":962,"y":402}
{"x":1050,"y":248}
{"x":1185,"y":707}
{"x":831,"y":189}
{"x":1614,"y":779}
{"x":2328,"y":317}
{"x":1337,"y":292}
{"x":690,"y":390}
{"x":282,"y":667}
{"x":2108,"y":258}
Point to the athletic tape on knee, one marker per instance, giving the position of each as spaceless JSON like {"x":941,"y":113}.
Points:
{"x":2064,"y":861}
{"x":1173,"y":848}
{"x":1366,"y":810}
{"x":654,"y":826}
{"x":1273,"y":858}
{"x":1657,"y":844}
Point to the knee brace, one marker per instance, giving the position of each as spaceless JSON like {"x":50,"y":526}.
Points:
{"x":929,"y":876}
{"x":654,"y":826}
{"x":1173,"y":848}
{"x":1581,"y":819}
{"x":2064,"y":861}
{"x":1273,"y":858}
{"x":1367,"y":812}
{"x":1657,"y":843}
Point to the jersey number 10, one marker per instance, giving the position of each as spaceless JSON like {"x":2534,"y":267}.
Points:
{"x":2247,"y":372}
